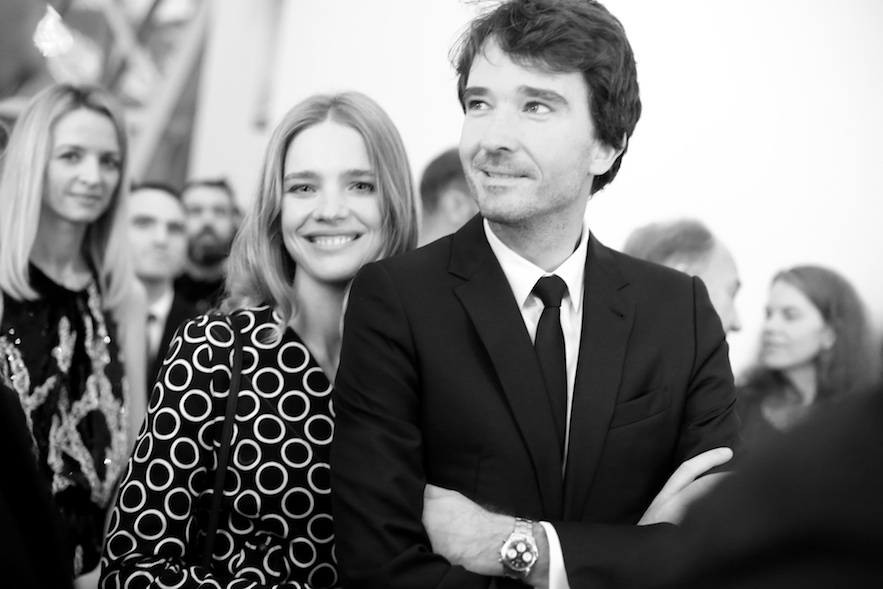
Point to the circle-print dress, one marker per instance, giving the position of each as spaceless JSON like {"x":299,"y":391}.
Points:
{"x":275,"y":527}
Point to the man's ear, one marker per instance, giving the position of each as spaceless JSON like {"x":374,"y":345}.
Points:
{"x":603,"y":156}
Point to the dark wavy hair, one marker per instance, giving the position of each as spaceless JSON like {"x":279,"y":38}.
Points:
{"x":852,"y":364}
{"x":566,"y":36}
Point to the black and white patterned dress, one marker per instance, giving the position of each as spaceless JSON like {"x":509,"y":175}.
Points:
{"x":275,"y":528}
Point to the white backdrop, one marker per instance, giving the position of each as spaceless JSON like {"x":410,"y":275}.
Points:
{"x":764,"y":118}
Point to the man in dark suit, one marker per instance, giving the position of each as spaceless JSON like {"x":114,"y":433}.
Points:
{"x":158,"y":233}
{"x":511,"y":399}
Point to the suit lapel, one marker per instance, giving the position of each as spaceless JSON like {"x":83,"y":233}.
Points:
{"x":180,"y":312}
{"x":487,"y":298}
{"x":607,"y":321}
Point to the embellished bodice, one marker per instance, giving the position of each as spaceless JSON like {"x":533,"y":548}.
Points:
{"x":59,"y":353}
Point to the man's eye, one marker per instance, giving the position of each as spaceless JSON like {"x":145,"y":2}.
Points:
{"x":537,"y":108}
{"x":475,"y":104}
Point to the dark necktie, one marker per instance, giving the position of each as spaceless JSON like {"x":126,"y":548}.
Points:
{"x":152,"y":341}
{"x":549,"y":346}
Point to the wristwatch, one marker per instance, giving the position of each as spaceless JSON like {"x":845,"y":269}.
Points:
{"x":519,"y":551}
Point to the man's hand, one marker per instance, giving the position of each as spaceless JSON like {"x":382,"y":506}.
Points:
{"x":682,"y":488}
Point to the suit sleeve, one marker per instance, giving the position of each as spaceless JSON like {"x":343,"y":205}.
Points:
{"x":598,"y":555}
{"x":710,"y":419}
{"x":377,"y":454}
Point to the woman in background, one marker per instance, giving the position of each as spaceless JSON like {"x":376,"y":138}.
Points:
{"x":816,"y":347}
{"x":335,"y":193}
{"x":71,"y":311}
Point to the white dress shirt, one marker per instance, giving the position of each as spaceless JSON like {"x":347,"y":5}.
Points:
{"x":159,"y":310}
{"x":522,"y":276}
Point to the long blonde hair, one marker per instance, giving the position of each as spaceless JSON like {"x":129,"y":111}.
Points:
{"x":23,"y":183}
{"x":260,"y":270}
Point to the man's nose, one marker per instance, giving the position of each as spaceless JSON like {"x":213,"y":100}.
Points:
{"x":499,"y":131}
{"x":160,"y":234}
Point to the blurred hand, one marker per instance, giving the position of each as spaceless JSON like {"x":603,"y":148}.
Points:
{"x":683,"y":488}
{"x":88,"y":580}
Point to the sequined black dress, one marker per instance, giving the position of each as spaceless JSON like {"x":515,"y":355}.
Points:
{"x":60,"y":355}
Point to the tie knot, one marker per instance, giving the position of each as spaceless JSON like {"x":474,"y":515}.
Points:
{"x":550,"y":289}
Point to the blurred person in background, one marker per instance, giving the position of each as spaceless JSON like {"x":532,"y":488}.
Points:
{"x":805,"y":512}
{"x":158,"y":233}
{"x":444,"y":193}
{"x":212,"y":218}
{"x":335,"y":193}
{"x":688,"y":246}
{"x":816,"y":347}
{"x":72,"y":316}
{"x":34,"y":554}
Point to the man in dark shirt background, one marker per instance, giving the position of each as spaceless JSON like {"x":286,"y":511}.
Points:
{"x":212,"y":220}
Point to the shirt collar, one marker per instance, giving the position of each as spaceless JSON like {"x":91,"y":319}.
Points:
{"x":523,"y":274}
{"x":163,"y":305}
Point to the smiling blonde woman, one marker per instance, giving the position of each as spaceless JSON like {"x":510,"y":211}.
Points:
{"x":335,"y":193}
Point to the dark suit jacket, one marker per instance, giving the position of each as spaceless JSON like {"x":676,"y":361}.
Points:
{"x":804,"y":511}
{"x":181,"y":311}
{"x":33,"y":553}
{"x":439,"y":383}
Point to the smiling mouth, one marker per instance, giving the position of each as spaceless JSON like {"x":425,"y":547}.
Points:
{"x":501,"y":175}
{"x":332,"y":241}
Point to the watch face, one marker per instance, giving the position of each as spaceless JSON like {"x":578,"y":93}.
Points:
{"x":519,"y":553}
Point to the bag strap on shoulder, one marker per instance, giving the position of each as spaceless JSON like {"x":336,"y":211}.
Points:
{"x":226,"y":442}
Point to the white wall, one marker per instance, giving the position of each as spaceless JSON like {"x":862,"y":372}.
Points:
{"x":764,"y":118}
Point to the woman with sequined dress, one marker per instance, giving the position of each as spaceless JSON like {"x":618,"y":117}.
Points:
{"x":71,"y":315}
{"x":335,"y":193}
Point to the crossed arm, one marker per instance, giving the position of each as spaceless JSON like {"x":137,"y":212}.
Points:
{"x":470,"y":536}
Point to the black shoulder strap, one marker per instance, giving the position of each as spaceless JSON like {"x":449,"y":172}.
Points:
{"x":224,"y":451}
